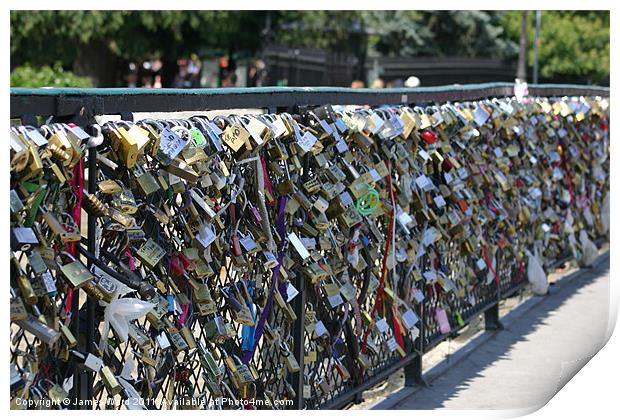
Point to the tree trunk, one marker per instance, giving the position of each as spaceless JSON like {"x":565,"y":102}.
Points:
{"x":96,"y":61}
{"x":522,"y":66}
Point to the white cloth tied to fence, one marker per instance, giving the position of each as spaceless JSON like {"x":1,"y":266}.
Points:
{"x":588,"y":249}
{"x":536,"y":275}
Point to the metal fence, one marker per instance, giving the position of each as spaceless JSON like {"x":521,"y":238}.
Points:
{"x":335,"y":367}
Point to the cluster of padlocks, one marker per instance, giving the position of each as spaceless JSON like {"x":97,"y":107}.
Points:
{"x":219,"y":251}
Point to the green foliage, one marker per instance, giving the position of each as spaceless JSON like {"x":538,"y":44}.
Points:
{"x":42,"y":37}
{"x":573,"y":44}
{"x":327,"y":29}
{"x":397,"y":32}
{"x":400,"y":32}
{"x":46,"y":76}
{"x":469,"y":33}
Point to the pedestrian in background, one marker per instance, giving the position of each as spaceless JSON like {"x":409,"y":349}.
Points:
{"x":378,"y":84}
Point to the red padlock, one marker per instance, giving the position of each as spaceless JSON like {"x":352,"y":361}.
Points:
{"x":187,"y":263}
{"x":429,"y":136}
{"x":176,"y":266}
{"x":236,"y":245}
{"x":519,"y":183}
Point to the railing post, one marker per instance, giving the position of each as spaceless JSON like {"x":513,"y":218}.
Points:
{"x":91,"y":244}
{"x":413,"y":371}
{"x":299,"y":306}
{"x":491,"y":318}
{"x":354,"y":351}
{"x":491,"y":315}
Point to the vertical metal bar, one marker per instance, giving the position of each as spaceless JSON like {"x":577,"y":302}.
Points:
{"x":350,"y":362}
{"x":299,"y":306}
{"x":91,"y":244}
{"x":424,"y":312}
{"x":413,"y":371}
{"x":491,"y":315}
{"x":76,"y":391}
{"x":491,"y":319}
{"x":79,"y":381}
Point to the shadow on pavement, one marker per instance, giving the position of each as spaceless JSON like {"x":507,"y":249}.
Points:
{"x":510,"y":390}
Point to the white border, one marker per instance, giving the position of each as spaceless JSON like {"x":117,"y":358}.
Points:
{"x":591,"y":393}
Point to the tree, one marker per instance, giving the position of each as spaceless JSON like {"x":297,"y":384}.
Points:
{"x":325,"y":29}
{"x":522,"y":65}
{"x":470,"y":33}
{"x":94,"y":42}
{"x":400,"y":32}
{"x":574,"y":45}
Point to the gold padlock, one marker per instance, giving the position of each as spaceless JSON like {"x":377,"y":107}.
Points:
{"x":110,"y":381}
{"x":128,"y":148}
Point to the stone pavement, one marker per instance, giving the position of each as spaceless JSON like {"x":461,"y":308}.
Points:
{"x":546,"y":341}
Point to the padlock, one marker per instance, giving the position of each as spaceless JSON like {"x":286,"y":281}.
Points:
{"x":75,"y":272}
{"x":110,"y":381}
{"x":215,"y":329}
{"x":18,"y":310}
{"x":23,"y":238}
{"x":44,"y":333}
{"x":289,"y":358}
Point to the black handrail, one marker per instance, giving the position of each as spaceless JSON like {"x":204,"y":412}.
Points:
{"x":72,"y":101}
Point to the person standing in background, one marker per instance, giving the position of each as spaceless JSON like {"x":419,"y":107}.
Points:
{"x":396,"y":83}
{"x":156,"y":68}
{"x":132,"y":76}
{"x":256,"y":74}
{"x":412,"y":82}
{"x":377,"y":84}
{"x":230,"y":79}
{"x":193,"y":69}
{"x":188,"y":75}
{"x":180,"y":80}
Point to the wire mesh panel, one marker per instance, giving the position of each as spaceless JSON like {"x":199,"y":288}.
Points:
{"x":283,"y":261}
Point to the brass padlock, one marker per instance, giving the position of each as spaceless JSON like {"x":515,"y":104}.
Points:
{"x":236,"y":136}
{"x":289,"y":358}
{"x":68,"y":336}
{"x":18,"y":310}
{"x":151,"y":253}
{"x":128,"y":148}
{"x":110,"y":381}
{"x":76,"y":273}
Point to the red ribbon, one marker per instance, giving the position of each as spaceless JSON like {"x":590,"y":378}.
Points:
{"x":568,"y":175}
{"x":489,"y":264}
{"x":397,"y":333}
{"x":77,"y":186}
{"x":130,"y":262}
{"x":380,"y":290}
